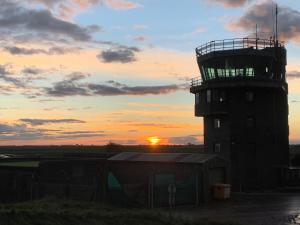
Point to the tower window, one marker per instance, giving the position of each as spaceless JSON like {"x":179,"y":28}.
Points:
{"x":249,"y":96}
{"x":249,"y":72}
{"x":211,"y":73}
{"x":197,"y":98}
{"x":218,"y":96}
{"x":221,"y":72}
{"x":222,"y":96}
{"x":217,"y":147}
{"x":217,"y":123}
{"x":232,"y":72}
{"x":239,"y":72}
{"x":208,"y":95}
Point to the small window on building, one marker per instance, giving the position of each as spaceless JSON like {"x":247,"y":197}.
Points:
{"x":227,"y":72}
{"x":197,"y":98}
{"x":250,"y":122}
{"x":208,"y":95}
{"x":211,"y":73}
{"x":217,"y":147}
{"x":218,"y":96}
{"x":239,"y":72}
{"x":249,"y":96}
{"x":249,"y":72}
{"x":221,"y":72}
{"x":232,"y":73}
{"x":217,"y":123}
{"x":222,"y":97}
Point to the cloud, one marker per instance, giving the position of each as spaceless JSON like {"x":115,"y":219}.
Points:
{"x":49,"y":3}
{"x":140,"y":38}
{"x":79,"y":134}
{"x":23,"y":51}
{"x":32,"y":70}
{"x":76,"y":76}
{"x":37,"y":122}
{"x":72,"y":87}
{"x":106,"y":90}
{"x":293,"y":75}
{"x":121,"y":54}
{"x":20,"y":132}
{"x":262,"y":15}
{"x":68,"y":87}
{"x":69,"y":8}
{"x":49,"y":100}
{"x":15,"y":17}
{"x":121,"y":4}
{"x":230,"y":3}
{"x":190,"y":139}
{"x":61,"y":50}
{"x":33,"y":51}
{"x":65,"y":4}
{"x":8,"y":77}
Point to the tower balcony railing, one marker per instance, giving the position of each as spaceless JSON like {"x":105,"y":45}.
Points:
{"x":234,"y":44}
{"x":197,"y":81}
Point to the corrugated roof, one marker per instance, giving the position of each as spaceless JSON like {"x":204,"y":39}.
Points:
{"x":162,"y":157}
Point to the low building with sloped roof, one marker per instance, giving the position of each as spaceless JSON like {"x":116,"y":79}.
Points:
{"x":145,"y":179}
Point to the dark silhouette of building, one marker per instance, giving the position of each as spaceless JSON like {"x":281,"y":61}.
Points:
{"x":136,"y":179}
{"x":142,"y":179}
{"x":242,"y":96}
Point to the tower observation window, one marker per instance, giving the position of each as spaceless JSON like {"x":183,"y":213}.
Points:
{"x":222,"y":96}
{"x":221,"y":72}
{"x":217,"y":123}
{"x":217,"y":72}
{"x":197,"y":98}
{"x":249,"y":72}
{"x":232,"y":73}
{"x":211,"y":73}
{"x":218,"y":95}
{"x":208,"y":95}
{"x":239,"y":72}
{"x":230,"y":66}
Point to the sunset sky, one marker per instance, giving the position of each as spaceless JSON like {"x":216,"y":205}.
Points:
{"x":95,"y":71}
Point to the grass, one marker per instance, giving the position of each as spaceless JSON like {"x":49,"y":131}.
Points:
{"x":59,"y":212}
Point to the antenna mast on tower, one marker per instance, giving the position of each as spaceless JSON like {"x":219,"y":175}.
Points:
{"x":276,"y":26}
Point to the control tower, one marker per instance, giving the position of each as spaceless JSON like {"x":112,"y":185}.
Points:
{"x":242,"y":96}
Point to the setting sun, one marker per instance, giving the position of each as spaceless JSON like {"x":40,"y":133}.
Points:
{"x":153,"y":140}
